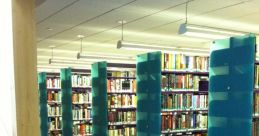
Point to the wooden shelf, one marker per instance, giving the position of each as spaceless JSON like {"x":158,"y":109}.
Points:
{"x":183,"y":110}
{"x":113,"y":77}
{"x":185,"y":92}
{"x":200,"y":73}
{"x":123,"y":108}
{"x":129,"y":93}
{"x":184,"y":132}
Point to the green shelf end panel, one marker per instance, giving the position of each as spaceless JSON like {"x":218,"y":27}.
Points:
{"x":231,"y":86}
{"x":66,"y":97}
{"x":149,"y":94}
{"x":99,"y":99}
{"x":43,"y":104}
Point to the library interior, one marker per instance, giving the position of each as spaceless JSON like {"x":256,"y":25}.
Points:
{"x":129,"y":68}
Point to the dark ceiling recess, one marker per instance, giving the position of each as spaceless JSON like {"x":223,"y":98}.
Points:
{"x":39,"y":2}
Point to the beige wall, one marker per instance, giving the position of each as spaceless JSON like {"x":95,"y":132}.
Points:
{"x":25,"y":57}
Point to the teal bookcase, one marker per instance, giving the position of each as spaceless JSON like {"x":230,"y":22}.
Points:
{"x":99,"y":99}
{"x":66,"y":97}
{"x":43,"y":104}
{"x":149,"y":94}
{"x":231,"y":86}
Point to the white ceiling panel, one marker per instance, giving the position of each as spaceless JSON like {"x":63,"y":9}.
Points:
{"x":148,"y":21}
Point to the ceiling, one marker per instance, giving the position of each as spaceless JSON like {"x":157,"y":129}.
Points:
{"x":59,"y":22}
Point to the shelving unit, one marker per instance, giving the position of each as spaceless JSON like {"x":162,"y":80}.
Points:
{"x":256,"y":101}
{"x":121,"y":90}
{"x":53,"y":84}
{"x":184,"y":107}
{"x":81,"y":101}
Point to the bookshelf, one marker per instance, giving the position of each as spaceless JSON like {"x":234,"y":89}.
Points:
{"x":99,"y":99}
{"x":50,"y":103}
{"x":42,"y":90}
{"x":81,"y":103}
{"x":53,"y":85}
{"x":66,"y":100}
{"x":256,"y":101}
{"x":121,"y":91}
{"x":184,"y":106}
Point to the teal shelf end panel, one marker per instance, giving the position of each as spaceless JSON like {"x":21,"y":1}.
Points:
{"x":99,"y":99}
{"x":43,"y":104}
{"x":66,"y":97}
{"x":149,"y":94}
{"x":231,"y":86}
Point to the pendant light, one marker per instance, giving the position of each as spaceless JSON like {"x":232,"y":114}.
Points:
{"x":114,"y":58}
{"x":204,"y":31}
{"x":121,"y":44}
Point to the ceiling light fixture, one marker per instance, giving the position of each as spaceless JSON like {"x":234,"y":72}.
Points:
{"x":204,"y":31}
{"x":169,"y":49}
{"x":121,"y":44}
{"x":63,"y":61}
{"x":49,"y":29}
{"x":68,"y":62}
{"x":80,"y":54}
{"x":105,"y":58}
{"x":80,"y":36}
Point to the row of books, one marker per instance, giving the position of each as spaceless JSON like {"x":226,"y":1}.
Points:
{"x":122,"y":100}
{"x":80,"y":80}
{"x":82,"y":97}
{"x":257,"y":76}
{"x":54,"y":82}
{"x":54,"y":96}
{"x":128,"y":131}
{"x":54,"y":123}
{"x":184,"y":62}
{"x":80,"y":113}
{"x":54,"y":110}
{"x":184,"y":121}
{"x":122,"y":74}
{"x":184,"y":101}
{"x":121,"y":116}
{"x":82,"y":129}
{"x":255,"y":130}
{"x":181,"y":82}
{"x":196,"y":134}
{"x":256,"y":104}
{"x":121,"y":85}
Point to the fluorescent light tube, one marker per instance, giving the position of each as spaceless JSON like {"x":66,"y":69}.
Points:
{"x":63,"y":61}
{"x":144,"y":47}
{"x":207,"y":32}
{"x":121,"y":59}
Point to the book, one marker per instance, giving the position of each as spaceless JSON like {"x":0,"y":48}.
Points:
{"x":54,"y":96}
{"x":121,"y":85}
{"x":184,"y":101}
{"x":81,"y":113}
{"x":79,"y":80}
{"x":54,"y":123}
{"x":82,"y":97}
{"x":82,"y":129}
{"x":184,"y":62}
{"x":121,"y":116}
{"x":122,"y":102}
{"x":256,"y":104}
{"x":54,"y":110}
{"x":256,"y":76}
{"x":81,"y":100}
{"x":182,"y":121}
{"x":53,"y":83}
{"x":127,"y":131}
{"x":122,"y":74}
{"x":183,"y":109}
